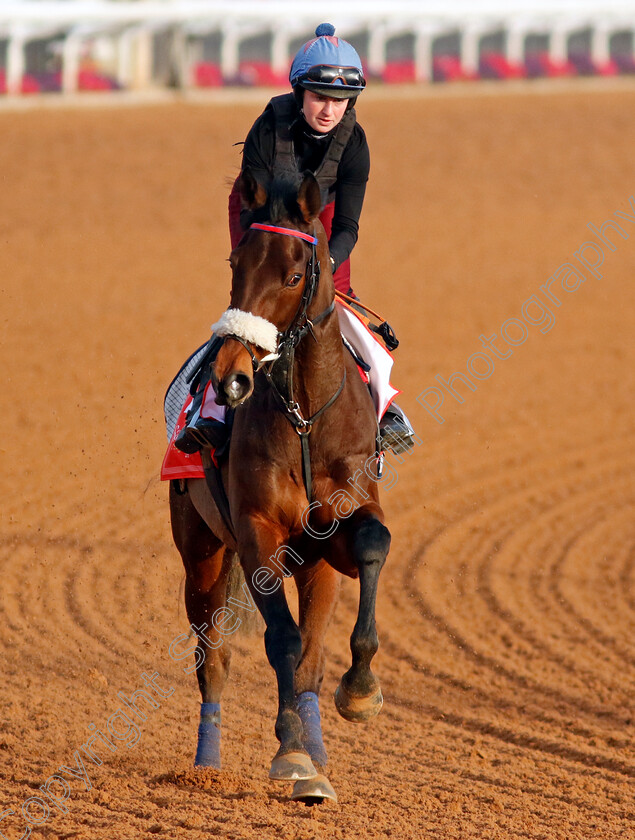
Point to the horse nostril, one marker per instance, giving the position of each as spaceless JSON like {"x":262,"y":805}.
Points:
{"x":237,"y":387}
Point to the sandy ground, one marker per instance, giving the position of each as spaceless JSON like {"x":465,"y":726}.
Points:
{"x":507,"y":608}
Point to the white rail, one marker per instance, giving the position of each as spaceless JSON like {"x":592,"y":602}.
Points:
{"x":131,"y":27}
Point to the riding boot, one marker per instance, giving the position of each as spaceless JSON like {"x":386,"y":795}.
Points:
{"x":203,"y":432}
{"x":396,"y":431}
{"x":200,"y":432}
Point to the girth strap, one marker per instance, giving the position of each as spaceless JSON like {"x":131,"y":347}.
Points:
{"x":216,"y":487}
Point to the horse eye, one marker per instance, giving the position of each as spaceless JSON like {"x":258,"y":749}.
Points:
{"x":294,"y":280}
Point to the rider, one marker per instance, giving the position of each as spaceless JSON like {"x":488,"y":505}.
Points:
{"x":313,"y":128}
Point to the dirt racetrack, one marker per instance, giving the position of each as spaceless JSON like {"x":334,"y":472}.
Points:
{"x":507,"y":607}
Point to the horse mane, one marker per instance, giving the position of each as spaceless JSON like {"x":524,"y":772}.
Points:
{"x":281,"y":203}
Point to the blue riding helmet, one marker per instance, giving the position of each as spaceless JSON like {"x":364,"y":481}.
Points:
{"x":328,"y":65}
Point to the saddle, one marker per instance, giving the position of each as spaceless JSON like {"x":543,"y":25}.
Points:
{"x":179,"y":394}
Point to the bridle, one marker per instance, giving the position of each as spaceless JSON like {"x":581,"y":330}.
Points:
{"x":278,"y":367}
{"x":301,"y":324}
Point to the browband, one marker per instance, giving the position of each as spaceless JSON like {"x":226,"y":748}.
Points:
{"x":287,"y":231}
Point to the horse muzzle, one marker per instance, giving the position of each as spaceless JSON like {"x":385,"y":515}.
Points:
{"x":234,"y":389}
{"x":236,"y":362}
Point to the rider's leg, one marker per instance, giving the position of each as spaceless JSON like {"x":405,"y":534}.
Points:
{"x":395,"y":429}
{"x":205,"y":420}
{"x":342,"y":277}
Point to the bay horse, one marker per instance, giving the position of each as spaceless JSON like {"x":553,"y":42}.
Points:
{"x":301,"y":481}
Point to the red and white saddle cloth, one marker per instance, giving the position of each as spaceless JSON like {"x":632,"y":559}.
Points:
{"x":366,"y":345}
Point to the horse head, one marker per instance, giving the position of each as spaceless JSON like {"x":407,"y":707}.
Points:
{"x":274,"y":280}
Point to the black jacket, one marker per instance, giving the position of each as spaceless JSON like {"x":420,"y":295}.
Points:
{"x":352,"y":173}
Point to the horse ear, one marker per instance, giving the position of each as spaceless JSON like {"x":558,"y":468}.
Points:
{"x":309,"y":197}
{"x":253,"y":194}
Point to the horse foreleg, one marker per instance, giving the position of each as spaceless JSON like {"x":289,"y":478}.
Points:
{"x":318,"y":590}
{"x":259,"y":548}
{"x":358,"y":696}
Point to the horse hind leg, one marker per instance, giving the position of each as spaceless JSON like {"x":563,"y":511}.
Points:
{"x":207,"y":569}
{"x":358,"y":696}
{"x":213,"y":656}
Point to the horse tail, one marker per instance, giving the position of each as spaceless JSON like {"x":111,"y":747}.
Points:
{"x":242,"y":603}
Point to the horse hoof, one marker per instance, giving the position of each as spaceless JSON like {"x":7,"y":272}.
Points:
{"x":291,"y":767}
{"x":358,"y":709}
{"x":313,"y":791}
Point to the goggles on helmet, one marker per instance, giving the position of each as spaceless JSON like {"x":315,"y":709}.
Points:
{"x":327,"y":74}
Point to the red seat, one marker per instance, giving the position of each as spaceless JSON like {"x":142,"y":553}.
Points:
{"x":30,"y":84}
{"x":448,"y":68}
{"x":541,"y":64}
{"x":207,"y":74}
{"x":260,"y":74}
{"x":397,"y":72}
{"x":494,"y":65}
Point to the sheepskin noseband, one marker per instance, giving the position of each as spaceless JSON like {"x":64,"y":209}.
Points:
{"x":251,"y":328}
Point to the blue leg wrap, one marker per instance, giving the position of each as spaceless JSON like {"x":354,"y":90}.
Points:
{"x":308,"y":708}
{"x":208,"y":750}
